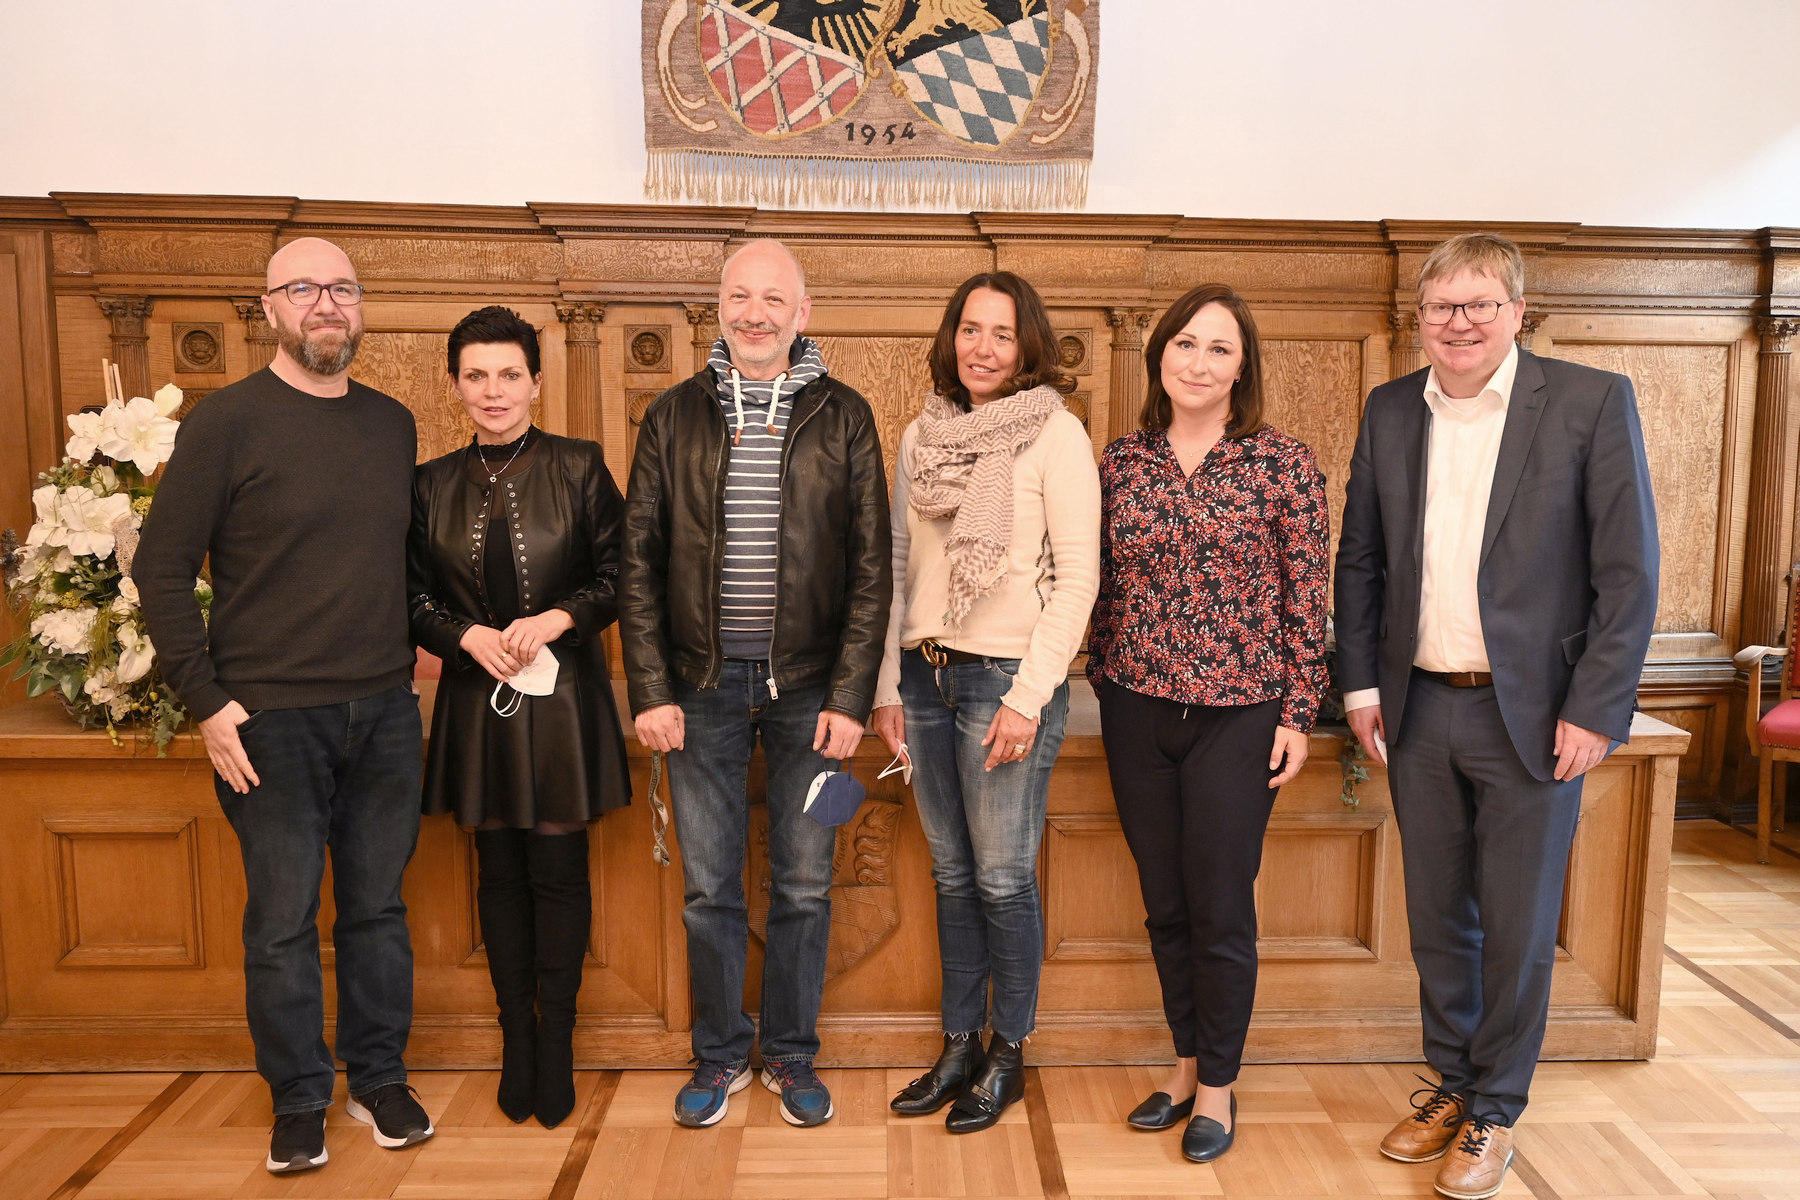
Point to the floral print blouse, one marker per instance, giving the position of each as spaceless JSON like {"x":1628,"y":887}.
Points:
{"x":1212,"y":586}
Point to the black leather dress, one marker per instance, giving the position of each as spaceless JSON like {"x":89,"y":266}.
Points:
{"x":560,"y":757}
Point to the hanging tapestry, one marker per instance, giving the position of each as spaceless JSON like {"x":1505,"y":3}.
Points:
{"x":977,"y":104}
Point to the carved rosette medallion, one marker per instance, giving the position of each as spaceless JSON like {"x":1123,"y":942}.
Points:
{"x":865,"y":903}
{"x":199,"y":348}
{"x":1074,"y":351}
{"x":647,"y":349}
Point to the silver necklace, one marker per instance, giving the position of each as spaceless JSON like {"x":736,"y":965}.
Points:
{"x":493,"y":475}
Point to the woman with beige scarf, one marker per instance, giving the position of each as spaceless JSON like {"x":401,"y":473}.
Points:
{"x":996,"y":527}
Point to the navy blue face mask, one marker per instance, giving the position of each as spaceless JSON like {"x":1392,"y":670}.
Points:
{"x":834,"y":797}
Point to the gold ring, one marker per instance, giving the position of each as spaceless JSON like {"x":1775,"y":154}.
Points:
{"x":1019,"y":749}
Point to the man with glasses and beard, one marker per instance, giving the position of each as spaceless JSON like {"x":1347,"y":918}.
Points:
{"x":297,"y":482}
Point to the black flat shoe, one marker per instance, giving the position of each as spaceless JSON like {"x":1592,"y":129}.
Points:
{"x":1159,"y":1112}
{"x":1206,"y":1139}
{"x":1000,"y":1083}
{"x":960,"y":1062}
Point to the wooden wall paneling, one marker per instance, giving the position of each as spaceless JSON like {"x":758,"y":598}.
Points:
{"x":1688,"y":373}
{"x":1706,"y":717}
{"x":31,"y":424}
{"x":83,"y":338}
{"x":170,"y":314}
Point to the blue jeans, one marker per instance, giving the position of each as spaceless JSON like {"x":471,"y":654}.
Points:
{"x":984,"y":828}
{"x":709,"y":782}
{"x":344,"y":776}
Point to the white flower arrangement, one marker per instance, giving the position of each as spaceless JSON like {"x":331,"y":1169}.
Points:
{"x":71,"y":584}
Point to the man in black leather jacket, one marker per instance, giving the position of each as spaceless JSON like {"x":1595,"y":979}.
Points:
{"x":754,"y":601}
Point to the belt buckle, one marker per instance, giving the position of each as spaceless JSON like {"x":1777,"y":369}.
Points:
{"x":933,"y":650}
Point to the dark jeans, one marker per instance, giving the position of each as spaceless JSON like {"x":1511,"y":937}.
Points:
{"x":709,"y":782}
{"x":984,"y":828}
{"x":1192,"y":786}
{"x":1485,"y":847}
{"x":344,"y":776}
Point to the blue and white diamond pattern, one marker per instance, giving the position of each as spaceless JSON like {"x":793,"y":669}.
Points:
{"x":978,"y":90}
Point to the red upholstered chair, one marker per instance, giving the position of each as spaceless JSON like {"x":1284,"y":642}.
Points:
{"x":1774,"y":735}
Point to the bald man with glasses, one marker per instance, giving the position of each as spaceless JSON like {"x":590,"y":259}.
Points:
{"x":296,"y":482}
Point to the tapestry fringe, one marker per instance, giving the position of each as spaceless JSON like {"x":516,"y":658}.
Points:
{"x":776,"y":181}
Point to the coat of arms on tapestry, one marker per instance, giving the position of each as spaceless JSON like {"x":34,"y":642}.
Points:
{"x":980,"y":104}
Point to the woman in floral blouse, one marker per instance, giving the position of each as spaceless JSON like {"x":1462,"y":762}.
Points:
{"x":1208,"y":659}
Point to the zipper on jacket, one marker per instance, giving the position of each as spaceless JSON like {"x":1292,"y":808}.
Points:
{"x":787,"y":449}
{"x":715,"y":662}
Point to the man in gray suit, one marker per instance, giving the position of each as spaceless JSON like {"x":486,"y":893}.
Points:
{"x":1496,"y":588}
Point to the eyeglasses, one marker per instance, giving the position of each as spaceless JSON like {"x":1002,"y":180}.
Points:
{"x":302,"y":294}
{"x":1479,"y":312}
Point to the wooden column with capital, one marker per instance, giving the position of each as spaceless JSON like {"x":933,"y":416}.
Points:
{"x":1127,"y":370}
{"x":1766,"y":545}
{"x":1404,"y":356}
{"x":704,"y":319}
{"x":581,"y":323}
{"x":130,"y":316}
{"x":260,"y":339}
{"x":1528,"y":327}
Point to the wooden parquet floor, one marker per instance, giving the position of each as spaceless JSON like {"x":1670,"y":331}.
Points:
{"x":1717,"y":1113}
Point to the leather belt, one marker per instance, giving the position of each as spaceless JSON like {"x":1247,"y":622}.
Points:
{"x":1460,"y":679}
{"x":940,"y":655}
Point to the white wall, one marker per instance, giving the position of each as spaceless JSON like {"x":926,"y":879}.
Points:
{"x":1627,"y":112}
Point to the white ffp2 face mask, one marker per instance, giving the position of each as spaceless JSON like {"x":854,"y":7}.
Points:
{"x":535,"y":678}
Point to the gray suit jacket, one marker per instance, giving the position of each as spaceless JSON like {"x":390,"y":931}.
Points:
{"x":1569,"y":556}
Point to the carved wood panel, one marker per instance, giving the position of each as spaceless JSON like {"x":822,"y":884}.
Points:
{"x":1312,"y":391}
{"x":892,"y":373}
{"x":410,"y":368}
{"x":1681,"y":393}
{"x":157,"y":922}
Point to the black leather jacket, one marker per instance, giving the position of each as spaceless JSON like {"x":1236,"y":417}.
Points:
{"x":560,"y":514}
{"x":834,"y":574}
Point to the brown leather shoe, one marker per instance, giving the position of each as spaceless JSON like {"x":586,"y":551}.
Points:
{"x":1427,"y":1133}
{"x":1476,"y":1165}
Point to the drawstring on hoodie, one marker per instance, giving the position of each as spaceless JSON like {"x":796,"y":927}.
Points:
{"x":737,"y":398}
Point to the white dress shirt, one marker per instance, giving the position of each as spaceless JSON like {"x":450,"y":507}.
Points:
{"x":1465,"y":446}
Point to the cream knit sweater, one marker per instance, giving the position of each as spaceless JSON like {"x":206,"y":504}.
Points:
{"x":1039,"y":611}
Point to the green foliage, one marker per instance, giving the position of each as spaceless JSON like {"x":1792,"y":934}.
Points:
{"x":45,"y":580}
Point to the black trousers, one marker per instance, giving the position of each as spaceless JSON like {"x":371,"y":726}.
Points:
{"x":1485,"y":847}
{"x":1192,"y":786}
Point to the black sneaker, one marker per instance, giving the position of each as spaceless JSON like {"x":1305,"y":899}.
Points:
{"x":297,"y":1142}
{"x":395,"y":1113}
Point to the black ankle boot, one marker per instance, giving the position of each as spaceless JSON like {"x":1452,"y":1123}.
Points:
{"x":503,"y":898}
{"x":1000,"y":1082}
{"x":564,"y":908}
{"x":959,"y":1063}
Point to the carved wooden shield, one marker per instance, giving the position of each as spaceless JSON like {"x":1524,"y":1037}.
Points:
{"x":865,"y":904}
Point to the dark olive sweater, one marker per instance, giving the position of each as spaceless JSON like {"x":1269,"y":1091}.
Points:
{"x":302,"y":503}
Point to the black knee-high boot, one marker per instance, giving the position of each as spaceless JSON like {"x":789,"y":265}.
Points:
{"x":503,"y":898}
{"x":564,"y":907}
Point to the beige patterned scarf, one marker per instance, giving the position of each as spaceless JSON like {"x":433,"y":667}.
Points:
{"x":963,"y":469}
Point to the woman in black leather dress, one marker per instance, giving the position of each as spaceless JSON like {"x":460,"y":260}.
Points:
{"x":515,"y":548}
